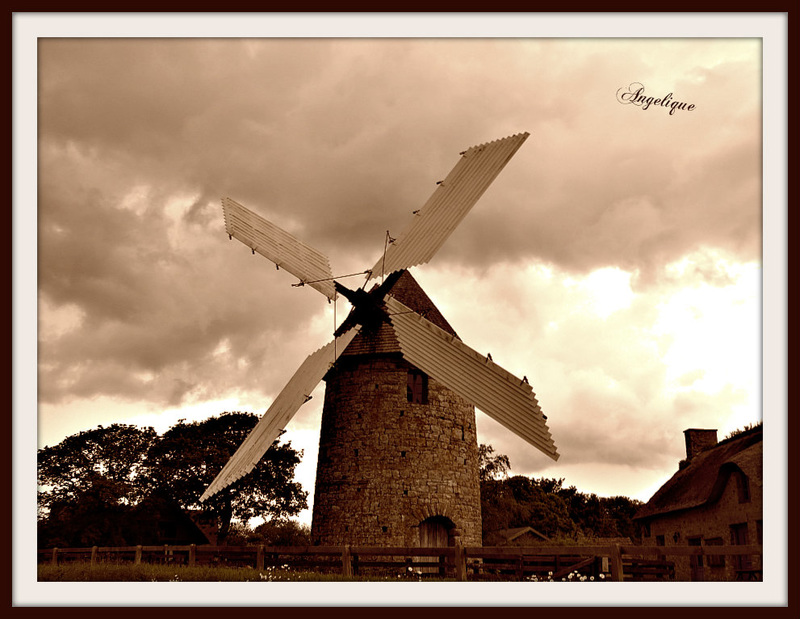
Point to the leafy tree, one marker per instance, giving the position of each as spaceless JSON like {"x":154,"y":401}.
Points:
{"x":546,"y":505}
{"x":188,"y":457}
{"x":498,"y":506}
{"x":534,"y":505}
{"x":492,"y":466}
{"x":94,"y":485}
{"x":68,"y":471}
{"x":620,"y":510}
{"x":551,"y":486}
{"x":94,"y":515}
{"x":284,"y":533}
{"x":518,"y":502}
{"x":277,"y":532}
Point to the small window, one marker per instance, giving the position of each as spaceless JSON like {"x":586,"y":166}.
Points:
{"x":743,"y":487}
{"x":660,"y":541}
{"x":739,"y":538}
{"x":417,"y":387}
{"x":697,"y":560}
{"x":715,"y":560}
{"x":739,"y":534}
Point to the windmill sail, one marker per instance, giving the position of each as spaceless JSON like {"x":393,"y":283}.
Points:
{"x":501,"y":395}
{"x":277,"y":245}
{"x":293,"y":396}
{"x":448,"y":205}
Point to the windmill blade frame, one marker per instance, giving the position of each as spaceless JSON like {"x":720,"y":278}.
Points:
{"x":502,"y":396}
{"x":448,"y":205}
{"x":279,"y":414}
{"x":310,"y":266}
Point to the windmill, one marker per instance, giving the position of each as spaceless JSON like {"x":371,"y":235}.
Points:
{"x":398,"y":458}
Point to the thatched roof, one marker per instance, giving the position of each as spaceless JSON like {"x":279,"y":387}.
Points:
{"x":704,"y":477}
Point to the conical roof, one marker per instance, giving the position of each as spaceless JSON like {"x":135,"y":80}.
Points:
{"x":383,"y":341}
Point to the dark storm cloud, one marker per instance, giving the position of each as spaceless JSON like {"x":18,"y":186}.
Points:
{"x":348,"y":137}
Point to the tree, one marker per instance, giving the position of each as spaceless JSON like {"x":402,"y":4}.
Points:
{"x":95,"y":486}
{"x":94,"y":515}
{"x":276,"y":532}
{"x":492,"y":466}
{"x":546,"y":505}
{"x":188,"y":457}
{"x":67,"y":471}
{"x":621,"y":510}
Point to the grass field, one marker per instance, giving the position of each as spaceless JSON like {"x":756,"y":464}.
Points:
{"x":110,"y":572}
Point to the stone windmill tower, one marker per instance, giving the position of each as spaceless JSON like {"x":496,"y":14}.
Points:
{"x":398,"y":458}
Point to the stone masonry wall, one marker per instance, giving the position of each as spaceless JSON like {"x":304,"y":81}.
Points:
{"x":386,"y":464}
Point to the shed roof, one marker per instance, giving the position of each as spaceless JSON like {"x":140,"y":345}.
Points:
{"x":505,"y":536}
{"x":703,"y":479}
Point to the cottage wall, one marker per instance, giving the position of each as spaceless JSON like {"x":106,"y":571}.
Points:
{"x":710,"y":522}
{"x":385,"y":464}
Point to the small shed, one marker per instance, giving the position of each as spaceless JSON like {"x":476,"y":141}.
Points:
{"x":163,"y":521}
{"x":519,"y":536}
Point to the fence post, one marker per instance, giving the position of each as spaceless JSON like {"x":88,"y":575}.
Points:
{"x":93,"y":557}
{"x":347,"y":562}
{"x":54,"y":558}
{"x":460,"y":560}
{"x":260,"y":558}
{"x":138,"y":556}
{"x":192,"y":554}
{"x":616,"y":563}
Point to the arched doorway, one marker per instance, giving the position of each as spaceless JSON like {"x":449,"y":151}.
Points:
{"x":434,"y":532}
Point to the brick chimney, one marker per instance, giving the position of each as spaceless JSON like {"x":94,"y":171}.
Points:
{"x":698,"y":441}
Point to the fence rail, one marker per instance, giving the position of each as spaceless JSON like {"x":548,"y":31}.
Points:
{"x":618,"y":562}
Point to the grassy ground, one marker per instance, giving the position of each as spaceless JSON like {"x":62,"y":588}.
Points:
{"x":85,"y":572}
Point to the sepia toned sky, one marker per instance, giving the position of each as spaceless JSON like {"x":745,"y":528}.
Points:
{"x":615,"y":262}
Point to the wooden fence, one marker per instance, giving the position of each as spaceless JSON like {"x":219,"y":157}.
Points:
{"x":613,"y":563}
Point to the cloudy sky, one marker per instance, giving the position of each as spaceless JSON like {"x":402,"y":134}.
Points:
{"x":616,"y":261}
